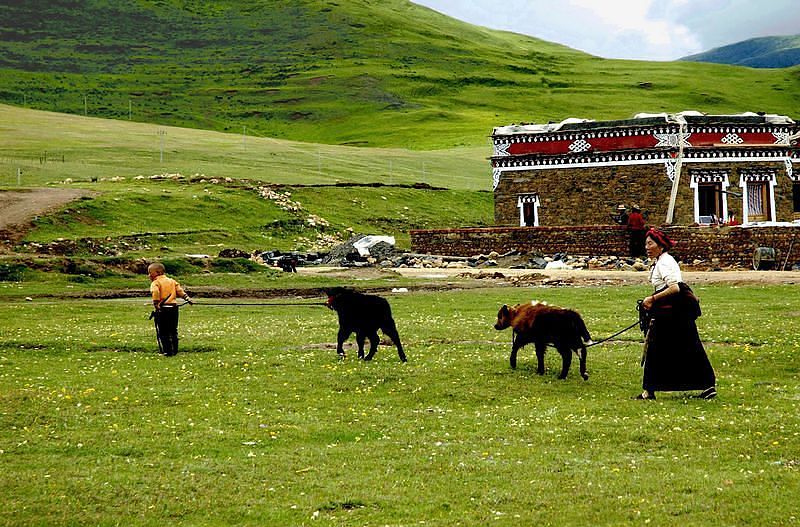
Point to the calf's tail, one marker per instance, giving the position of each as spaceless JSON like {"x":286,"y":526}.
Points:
{"x":390,"y":330}
{"x":581,"y":327}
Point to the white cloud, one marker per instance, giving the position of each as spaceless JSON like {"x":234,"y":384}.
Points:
{"x":632,"y":29}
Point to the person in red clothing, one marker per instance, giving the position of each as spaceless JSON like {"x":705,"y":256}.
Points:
{"x":637,"y":231}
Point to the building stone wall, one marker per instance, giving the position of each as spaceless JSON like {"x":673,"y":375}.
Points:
{"x":589,"y":195}
{"x":723,"y":246}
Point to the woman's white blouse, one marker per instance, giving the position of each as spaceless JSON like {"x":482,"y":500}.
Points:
{"x":665,"y":272}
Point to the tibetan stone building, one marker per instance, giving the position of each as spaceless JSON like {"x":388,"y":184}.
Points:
{"x":682,"y":169}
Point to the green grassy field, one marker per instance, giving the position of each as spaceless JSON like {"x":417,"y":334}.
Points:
{"x":49,"y":147}
{"x":256,"y":422}
{"x":352,"y":72}
{"x":216,"y":204}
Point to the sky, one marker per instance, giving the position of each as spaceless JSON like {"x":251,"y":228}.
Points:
{"x":632,"y":29}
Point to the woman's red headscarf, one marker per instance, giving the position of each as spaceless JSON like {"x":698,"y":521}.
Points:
{"x":660,"y":238}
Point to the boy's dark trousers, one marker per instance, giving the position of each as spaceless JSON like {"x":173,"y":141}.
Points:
{"x":166,"y":320}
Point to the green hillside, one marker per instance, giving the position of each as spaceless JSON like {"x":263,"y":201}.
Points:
{"x":206,"y":197}
{"x":763,"y":52}
{"x":355,"y":72}
{"x":49,"y":147}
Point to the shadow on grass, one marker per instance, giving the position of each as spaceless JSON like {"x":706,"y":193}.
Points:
{"x":147,"y":349}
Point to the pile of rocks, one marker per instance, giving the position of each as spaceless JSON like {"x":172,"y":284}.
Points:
{"x":99,"y":247}
{"x":284,"y":259}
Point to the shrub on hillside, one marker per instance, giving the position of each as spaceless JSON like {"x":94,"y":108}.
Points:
{"x":235,"y":265}
{"x":85,"y":268}
{"x":12,"y":272}
{"x":183,"y":266}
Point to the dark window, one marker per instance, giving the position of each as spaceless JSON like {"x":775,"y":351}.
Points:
{"x":796,"y":197}
{"x":528,"y":216}
{"x":709,"y":197}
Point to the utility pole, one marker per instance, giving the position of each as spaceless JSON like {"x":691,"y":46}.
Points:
{"x":678,"y":166}
{"x":19,"y":177}
{"x":161,"y":134}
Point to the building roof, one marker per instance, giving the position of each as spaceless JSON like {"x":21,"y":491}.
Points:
{"x":646,"y":120}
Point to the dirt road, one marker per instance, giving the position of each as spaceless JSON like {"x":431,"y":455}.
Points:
{"x":562,"y":276}
{"x":18,"y":207}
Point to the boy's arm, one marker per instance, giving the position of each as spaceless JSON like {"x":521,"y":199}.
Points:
{"x":181,"y":293}
{"x":155,"y":292}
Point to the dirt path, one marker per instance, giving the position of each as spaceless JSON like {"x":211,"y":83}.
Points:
{"x":21,"y":206}
{"x":560,"y":276}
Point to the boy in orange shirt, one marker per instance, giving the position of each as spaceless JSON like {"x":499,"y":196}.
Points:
{"x":165,"y":292}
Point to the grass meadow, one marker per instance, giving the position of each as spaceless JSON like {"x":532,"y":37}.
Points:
{"x":377,"y":74}
{"x":257,"y":423}
{"x":48,"y":147}
{"x":180,"y":217}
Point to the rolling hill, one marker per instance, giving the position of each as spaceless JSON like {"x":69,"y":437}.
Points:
{"x":347,"y":72}
{"x":764,"y":52}
{"x":213,"y":186}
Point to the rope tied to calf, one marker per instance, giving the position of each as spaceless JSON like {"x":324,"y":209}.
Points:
{"x":642,"y":322}
{"x":620,"y":332}
{"x":225,"y":304}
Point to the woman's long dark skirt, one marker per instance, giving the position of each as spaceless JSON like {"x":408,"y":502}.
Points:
{"x":675,"y":359}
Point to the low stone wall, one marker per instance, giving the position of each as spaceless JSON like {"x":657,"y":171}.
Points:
{"x":718,"y":246}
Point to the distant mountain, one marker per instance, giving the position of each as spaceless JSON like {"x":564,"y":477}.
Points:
{"x":763,"y":52}
{"x":349,"y":72}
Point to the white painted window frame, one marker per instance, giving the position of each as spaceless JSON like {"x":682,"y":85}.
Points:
{"x":758,"y":177}
{"x":522,"y":199}
{"x":694,"y":183}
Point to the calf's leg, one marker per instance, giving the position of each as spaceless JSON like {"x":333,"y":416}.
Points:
{"x":343,"y":335}
{"x":566,"y":361}
{"x":390,"y":330}
{"x":516,"y":343}
{"x":540,"y":349}
{"x":373,"y":345}
{"x":360,"y":337}
{"x":582,"y":357}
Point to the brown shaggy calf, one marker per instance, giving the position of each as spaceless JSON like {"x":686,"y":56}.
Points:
{"x":543,"y":325}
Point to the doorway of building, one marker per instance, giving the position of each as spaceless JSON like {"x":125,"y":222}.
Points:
{"x":528,"y":210}
{"x":796,"y":200}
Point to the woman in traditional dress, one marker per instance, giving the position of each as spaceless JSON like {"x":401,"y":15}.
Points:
{"x":674,"y":358}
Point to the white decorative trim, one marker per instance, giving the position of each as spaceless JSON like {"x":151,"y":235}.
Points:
{"x":709,"y":176}
{"x":579,"y":146}
{"x":732,"y":139}
{"x":672,"y":140}
{"x":522,"y":199}
{"x":496,"y":178}
{"x":782,"y":138}
{"x":610,"y":161}
{"x":501,"y":149}
{"x":665,"y":135}
{"x":757,"y":176}
{"x":790,"y":171}
{"x":527,"y":198}
{"x":670,"y":165}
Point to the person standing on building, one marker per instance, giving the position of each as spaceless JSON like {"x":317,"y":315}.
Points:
{"x":165,"y":292}
{"x":621,"y":217}
{"x":636,"y":231}
{"x":674,"y":358}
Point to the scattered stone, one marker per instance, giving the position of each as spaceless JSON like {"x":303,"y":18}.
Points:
{"x":233,"y":253}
